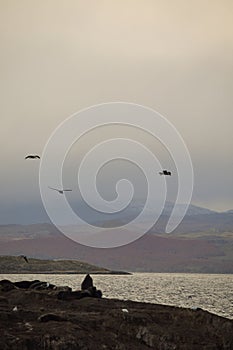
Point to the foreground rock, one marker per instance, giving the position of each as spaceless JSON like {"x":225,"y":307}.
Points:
{"x":38,"y":319}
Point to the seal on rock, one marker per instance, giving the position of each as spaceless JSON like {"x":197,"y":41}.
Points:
{"x":87,"y":282}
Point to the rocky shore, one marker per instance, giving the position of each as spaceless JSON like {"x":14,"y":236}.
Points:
{"x":39,"y":315}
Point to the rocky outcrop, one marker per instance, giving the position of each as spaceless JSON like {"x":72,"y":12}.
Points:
{"x":38,"y":319}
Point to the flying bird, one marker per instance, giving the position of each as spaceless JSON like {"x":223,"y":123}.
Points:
{"x":165,"y":172}
{"x":25,"y":258}
{"x":32,"y":156}
{"x":61,"y":191}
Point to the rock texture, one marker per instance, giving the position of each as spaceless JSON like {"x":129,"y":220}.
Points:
{"x":38,"y":319}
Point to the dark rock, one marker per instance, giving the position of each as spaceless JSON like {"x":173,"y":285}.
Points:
{"x":91,"y":292}
{"x":50,"y":317}
{"x":98,"y":294}
{"x":97,"y":323}
{"x":3,"y":300}
{"x":6,"y":285}
{"x":145,"y":336}
{"x":68,"y":295}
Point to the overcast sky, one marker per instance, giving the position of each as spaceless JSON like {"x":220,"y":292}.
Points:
{"x":58,"y":57}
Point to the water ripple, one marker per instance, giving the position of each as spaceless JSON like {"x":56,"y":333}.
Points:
{"x":213,"y":293}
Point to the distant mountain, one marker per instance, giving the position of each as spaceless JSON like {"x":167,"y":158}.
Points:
{"x":22,"y":215}
{"x":229,"y":211}
{"x":213,"y":222}
{"x":203,"y":242}
{"x":208,"y":252}
{"x":192,"y":209}
{"x":196,"y":219}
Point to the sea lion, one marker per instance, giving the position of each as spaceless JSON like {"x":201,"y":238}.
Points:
{"x":87,"y":282}
{"x":41,"y":286}
{"x":25,"y":284}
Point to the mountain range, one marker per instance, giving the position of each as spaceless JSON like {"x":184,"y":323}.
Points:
{"x":203,"y":242}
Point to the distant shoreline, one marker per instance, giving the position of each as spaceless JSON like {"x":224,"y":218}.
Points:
{"x":66,"y":273}
{"x":27,"y":265}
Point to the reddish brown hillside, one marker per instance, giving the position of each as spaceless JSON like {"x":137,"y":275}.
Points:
{"x":150,"y":253}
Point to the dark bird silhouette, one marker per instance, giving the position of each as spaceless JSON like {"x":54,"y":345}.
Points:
{"x":165,"y":172}
{"x":32,"y":156}
{"x":25,"y":258}
{"x":61,"y":191}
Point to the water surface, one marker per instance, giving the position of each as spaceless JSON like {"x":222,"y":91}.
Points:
{"x":210,"y":292}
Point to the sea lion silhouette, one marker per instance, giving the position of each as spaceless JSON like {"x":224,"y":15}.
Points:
{"x":87,"y":282}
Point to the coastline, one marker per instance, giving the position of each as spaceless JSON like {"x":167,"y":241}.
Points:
{"x":25,"y":265}
{"x":65,"y":273}
{"x":38,"y":319}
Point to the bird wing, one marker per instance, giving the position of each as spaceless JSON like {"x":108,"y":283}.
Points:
{"x":31,"y":156}
{"x":51,"y":188}
{"x":25,"y":258}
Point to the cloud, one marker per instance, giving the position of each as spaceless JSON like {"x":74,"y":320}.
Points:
{"x":173,"y":56}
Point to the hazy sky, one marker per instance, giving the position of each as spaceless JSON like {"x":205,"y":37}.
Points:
{"x":58,"y":57}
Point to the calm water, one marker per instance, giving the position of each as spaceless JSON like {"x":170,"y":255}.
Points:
{"x":209,"y":292}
